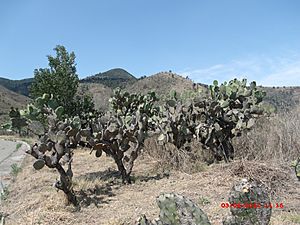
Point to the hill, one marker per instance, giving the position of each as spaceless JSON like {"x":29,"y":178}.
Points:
{"x":99,"y":92}
{"x":163,"y":83}
{"x":10,"y":99}
{"x":18,"y":86}
{"x":112,"y":78}
{"x":100,"y":87}
{"x":283,"y":98}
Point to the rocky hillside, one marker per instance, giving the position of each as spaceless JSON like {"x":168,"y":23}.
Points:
{"x":99,"y":92}
{"x":9,"y":99}
{"x":163,"y":83}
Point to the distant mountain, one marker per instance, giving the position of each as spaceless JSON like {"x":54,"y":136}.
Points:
{"x":101,"y":85}
{"x":112,"y":78}
{"x":18,"y":86}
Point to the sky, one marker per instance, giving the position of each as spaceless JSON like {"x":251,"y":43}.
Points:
{"x":205,"y":40}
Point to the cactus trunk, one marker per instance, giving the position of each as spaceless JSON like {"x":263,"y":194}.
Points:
{"x":65,"y":184}
{"x":125,"y":175}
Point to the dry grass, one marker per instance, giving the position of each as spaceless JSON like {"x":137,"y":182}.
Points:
{"x":275,"y":138}
{"x":104,"y":200}
{"x":170,"y":158}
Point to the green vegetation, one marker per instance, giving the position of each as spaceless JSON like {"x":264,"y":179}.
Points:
{"x":283,"y":99}
{"x":203,"y":201}
{"x":4,"y":193}
{"x":60,"y":80}
{"x":176,"y":210}
{"x":121,"y":133}
{"x":231,"y":109}
{"x":15,"y":169}
{"x":17,"y":122}
{"x":18,"y":146}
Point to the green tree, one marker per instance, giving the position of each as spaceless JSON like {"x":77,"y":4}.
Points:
{"x":60,"y":79}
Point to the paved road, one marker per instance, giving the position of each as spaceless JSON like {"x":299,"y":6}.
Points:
{"x":9,"y":155}
{"x":6,"y":149}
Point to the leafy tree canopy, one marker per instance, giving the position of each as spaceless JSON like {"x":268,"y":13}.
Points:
{"x":60,"y":79}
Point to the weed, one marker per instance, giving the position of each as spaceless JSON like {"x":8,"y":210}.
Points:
{"x":293,"y":218}
{"x":2,"y":217}
{"x":4,"y":194}
{"x":18,"y":146}
{"x":15,"y":169}
{"x":203,"y":201}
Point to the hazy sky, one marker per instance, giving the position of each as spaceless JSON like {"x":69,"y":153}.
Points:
{"x":206,"y":40}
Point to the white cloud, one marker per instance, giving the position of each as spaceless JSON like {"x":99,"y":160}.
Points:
{"x":267,"y":71}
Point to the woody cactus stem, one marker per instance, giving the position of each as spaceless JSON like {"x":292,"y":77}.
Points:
{"x":65,"y":184}
{"x":125,"y":175}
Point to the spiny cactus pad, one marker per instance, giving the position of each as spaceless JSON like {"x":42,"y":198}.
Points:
{"x":232,"y":108}
{"x":249,"y":192}
{"x":176,"y":210}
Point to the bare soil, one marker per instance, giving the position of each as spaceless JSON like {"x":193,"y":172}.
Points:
{"x":104,"y":200}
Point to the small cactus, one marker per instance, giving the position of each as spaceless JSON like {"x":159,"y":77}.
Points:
{"x":245,"y":194}
{"x":176,"y":210}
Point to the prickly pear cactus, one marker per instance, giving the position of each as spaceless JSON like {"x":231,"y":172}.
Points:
{"x":53,"y":150}
{"x":16,"y":121}
{"x":177,"y":210}
{"x":144,"y":221}
{"x":126,"y":104}
{"x":249,"y":204}
{"x":35,"y":116}
{"x":231,"y":109}
{"x":120,"y":133}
